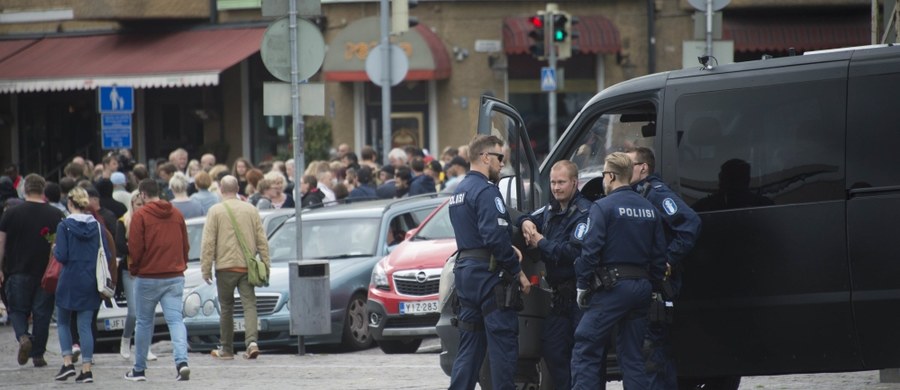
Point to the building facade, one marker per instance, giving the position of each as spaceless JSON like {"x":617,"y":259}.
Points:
{"x":197,"y":72}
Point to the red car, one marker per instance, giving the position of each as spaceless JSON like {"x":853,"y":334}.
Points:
{"x":403,"y":292}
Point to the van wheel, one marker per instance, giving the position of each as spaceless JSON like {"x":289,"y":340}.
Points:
{"x":717,"y":383}
{"x":391,"y":347}
{"x":356,"y":331}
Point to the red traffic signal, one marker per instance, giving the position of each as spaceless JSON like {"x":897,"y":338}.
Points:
{"x":537,"y":21}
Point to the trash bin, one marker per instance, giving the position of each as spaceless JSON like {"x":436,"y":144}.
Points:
{"x":310,"y":298}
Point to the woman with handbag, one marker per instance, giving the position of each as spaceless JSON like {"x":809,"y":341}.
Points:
{"x":127,"y":279}
{"x":79,"y":240}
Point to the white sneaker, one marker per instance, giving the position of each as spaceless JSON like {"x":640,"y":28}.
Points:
{"x":150,"y":356}
{"x":76,"y":352}
{"x":125,"y":348}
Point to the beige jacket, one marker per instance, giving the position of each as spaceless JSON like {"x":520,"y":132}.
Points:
{"x":220,"y":244}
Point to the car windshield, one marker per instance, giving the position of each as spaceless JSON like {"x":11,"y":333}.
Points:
{"x":195,"y":237}
{"x":437,"y":227}
{"x":326,"y":239}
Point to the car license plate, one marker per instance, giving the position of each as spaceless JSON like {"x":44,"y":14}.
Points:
{"x":114,"y":323}
{"x":418,"y":307}
{"x":240,"y":326}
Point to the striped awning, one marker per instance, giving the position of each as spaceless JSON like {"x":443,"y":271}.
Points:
{"x":595,"y":35}
{"x":760,"y":34}
{"x":173,"y":59}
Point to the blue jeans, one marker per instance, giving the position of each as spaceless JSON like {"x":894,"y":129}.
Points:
{"x":64,"y":329}
{"x":168,"y":294}
{"x":26,"y":297}
{"x":128,"y":286}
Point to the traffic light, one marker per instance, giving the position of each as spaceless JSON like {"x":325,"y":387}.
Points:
{"x":563,"y":34}
{"x":538,"y":47}
{"x":560,"y":26}
{"x":400,"y":19}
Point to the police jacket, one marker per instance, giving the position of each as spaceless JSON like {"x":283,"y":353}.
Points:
{"x":563,"y":231}
{"x":481,"y":221}
{"x":623,"y":228}
{"x":682,"y":224}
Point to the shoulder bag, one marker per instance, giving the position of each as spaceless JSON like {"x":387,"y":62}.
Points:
{"x":51,"y":274}
{"x":104,"y":280}
{"x":257,"y":273}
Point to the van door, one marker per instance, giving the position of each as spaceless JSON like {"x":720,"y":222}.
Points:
{"x":517,"y":178}
{"x":873,"y":208}
{"x":760,"y":156}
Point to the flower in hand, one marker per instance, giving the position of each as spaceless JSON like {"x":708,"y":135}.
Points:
{"x":50,"y":237}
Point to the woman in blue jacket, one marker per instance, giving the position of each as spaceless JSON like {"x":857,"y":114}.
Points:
{"x":77,"y":240}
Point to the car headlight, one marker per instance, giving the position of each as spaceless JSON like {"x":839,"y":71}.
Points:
{"x":379,"y":277}
{"x":192,"y":305}
{"x":209,"y":307}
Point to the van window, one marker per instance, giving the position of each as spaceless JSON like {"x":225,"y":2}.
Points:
{"x":613,"y":131}
{"x":761,"y":146}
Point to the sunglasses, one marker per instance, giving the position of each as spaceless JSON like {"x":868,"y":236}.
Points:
{"x":498,"y":155}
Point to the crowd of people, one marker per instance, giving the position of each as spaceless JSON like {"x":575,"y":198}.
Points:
{"x":135,"y":215}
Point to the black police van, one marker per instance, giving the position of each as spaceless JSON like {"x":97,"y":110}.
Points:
{"x":792,"y":165}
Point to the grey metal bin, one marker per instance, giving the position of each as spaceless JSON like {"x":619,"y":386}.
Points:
{"x":310,"y":298}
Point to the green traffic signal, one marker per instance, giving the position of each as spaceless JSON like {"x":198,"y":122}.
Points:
{"x":559,"y":27}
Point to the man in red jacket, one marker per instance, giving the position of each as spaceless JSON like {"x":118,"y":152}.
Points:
{"x":158,"y":245}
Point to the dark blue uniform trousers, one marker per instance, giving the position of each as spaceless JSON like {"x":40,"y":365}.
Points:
{"x":499,"y":336}
{"x":661,"y":362}
{"x":556,"y":344}
{"x":625,"y":304}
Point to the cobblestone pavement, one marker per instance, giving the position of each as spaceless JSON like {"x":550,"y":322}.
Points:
{"x":320,"y":368}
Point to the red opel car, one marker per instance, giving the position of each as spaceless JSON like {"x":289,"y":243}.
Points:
{"x":403,"y":292}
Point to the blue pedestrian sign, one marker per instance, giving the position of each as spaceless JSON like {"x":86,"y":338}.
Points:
{"x":115,"y":99}
{"x":115,"y":131}
{"x":548,"y":79}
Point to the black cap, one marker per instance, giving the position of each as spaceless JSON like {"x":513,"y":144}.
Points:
{"x":92,"y":192}
{"x":389,"y":169}
{"x":459,"y":161}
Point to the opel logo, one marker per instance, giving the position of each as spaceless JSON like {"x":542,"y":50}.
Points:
{"x":421,"y":277}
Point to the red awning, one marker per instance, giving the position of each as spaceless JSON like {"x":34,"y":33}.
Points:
{"x":803,"y":34}
{"x":596,"y":35}
{"x":176,"y":59}
{"x":10,"y":48}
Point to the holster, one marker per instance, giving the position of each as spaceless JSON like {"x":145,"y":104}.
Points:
{"x":563,"y":297}
{"x":661,"y":310}
{"x":508,"y":294}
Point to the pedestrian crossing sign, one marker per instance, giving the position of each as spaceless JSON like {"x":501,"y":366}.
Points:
{"x":548,"y":79}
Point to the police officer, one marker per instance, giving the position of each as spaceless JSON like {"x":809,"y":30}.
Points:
{"x":623,"y":251}
{"x":485,"y":261}
{"x":682,"y":227}
{"x":558,"y":229}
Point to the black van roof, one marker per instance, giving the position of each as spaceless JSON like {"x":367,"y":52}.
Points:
{"x":657,"y":81}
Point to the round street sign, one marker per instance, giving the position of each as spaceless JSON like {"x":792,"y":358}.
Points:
{"x":399,"y":65}
{"x":275,"y":49}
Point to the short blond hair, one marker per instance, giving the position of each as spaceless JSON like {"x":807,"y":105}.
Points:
{"x":274,"y":177}
{"x":620,"y":164}
{"x":569,"y":166}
